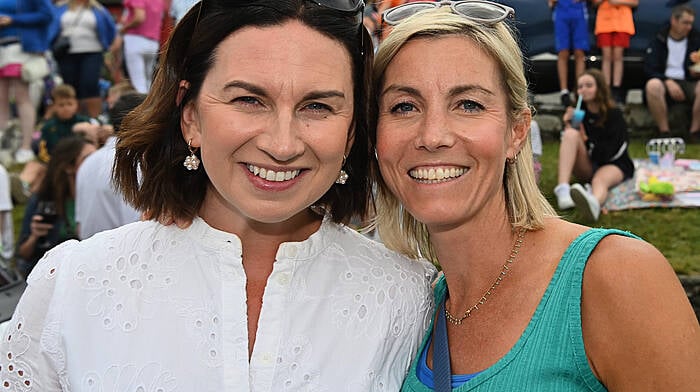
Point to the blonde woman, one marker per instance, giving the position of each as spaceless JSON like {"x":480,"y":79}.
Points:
{"x":528,"y":302}
{"x":91,"y":30}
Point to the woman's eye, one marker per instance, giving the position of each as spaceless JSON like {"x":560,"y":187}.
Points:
{"x":318,"y":107}
{"x":470,"y":106}
{"x":403,"y":107}
{"x":246,"y":100}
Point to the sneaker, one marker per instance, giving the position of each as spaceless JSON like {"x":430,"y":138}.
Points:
{"x":585,"y":202}
{"x":564,"y":200}
{"x":565,"y":98}
{"x":24,"y":155}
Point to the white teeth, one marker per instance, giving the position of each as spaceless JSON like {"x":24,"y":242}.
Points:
{"x":271,"y":175}
{"x":436,"y":174}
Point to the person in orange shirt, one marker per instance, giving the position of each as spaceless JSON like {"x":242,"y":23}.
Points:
{"x":613,"y":28}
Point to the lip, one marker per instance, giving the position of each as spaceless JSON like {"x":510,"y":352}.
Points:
{"x":274,"y":186}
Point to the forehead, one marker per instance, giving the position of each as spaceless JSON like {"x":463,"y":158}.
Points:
{"x":444,"y":61}
{"x":65,"y":100}
{"x":685,"y":18}
{"x":585,"y":78}
{"x":291,"y":50}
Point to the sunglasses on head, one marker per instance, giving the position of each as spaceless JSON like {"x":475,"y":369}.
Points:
{"x":480,"y":11}
{"x":341,"y":5}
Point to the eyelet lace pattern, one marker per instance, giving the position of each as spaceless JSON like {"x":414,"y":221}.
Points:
{"x":149,"y":308}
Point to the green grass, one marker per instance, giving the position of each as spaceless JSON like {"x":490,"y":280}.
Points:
{"x":674,"y":231}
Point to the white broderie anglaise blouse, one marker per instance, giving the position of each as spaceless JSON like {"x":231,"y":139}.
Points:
{"x":152,"y":308}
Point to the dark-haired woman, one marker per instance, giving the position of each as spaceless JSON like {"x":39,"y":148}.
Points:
{"x":256,"y":131}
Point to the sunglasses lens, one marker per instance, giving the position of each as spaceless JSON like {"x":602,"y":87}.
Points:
{"x":483,"y":12}
{"x":342,"y":5}
{"x":397,"y":14}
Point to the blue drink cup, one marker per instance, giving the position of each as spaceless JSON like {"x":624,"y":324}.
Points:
{"x":577,"y":118}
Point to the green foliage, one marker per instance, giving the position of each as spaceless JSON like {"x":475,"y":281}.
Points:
{"x":674,"y":231}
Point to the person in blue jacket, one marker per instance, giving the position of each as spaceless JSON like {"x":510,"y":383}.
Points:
{"x":24,"y":28}
{"x":91,"y":30}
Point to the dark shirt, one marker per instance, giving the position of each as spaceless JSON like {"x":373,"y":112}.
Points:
{"x":605,"y":141}
{"x":54,"y":130}
{"x":657,"y":54}
{"x":63,"y":230}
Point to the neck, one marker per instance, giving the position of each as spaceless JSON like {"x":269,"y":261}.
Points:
{"x":260,"y":241}
{"x":592,"y":107}
{"x":676,"y":36}
{"x":472,"y":256}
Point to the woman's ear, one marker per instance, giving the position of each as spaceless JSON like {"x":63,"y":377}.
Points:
{"x":519,"y":133}
{"x":190,"y":124}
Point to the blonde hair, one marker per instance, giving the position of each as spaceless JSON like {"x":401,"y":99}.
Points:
{"x":527,"y":207}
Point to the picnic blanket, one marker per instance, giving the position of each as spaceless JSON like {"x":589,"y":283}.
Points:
{"x":683,"y":175}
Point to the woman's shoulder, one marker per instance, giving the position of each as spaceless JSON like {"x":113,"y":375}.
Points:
{"x":124,"y":239}
{"x":362,"y":248}
{"x":626,"y":254}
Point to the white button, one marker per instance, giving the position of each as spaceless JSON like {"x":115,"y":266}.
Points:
{"x":291,"y":251}
{"x":283,"y":279}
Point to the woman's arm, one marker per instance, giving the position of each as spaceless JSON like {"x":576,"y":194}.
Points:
{"x":31,"y":358}
{"x":138,"y":18}
{"x":640,"y":332}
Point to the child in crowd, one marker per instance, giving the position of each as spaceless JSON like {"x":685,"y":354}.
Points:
{"x":614,"y":26}
{"x":570,"y":33}
{"x":65,"y":121}
{"x":594,"y":151}
{"x":60,"y":125}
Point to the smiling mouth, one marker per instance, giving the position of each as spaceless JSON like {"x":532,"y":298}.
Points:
{"x":271,"y":175}
{"x":435,"y":175}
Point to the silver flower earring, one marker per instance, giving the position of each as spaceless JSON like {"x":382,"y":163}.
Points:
{"x":191,"y":162}
{"x":342,"y":176}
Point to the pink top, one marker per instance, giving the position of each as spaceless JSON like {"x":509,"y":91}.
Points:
{"x":150,"y":28}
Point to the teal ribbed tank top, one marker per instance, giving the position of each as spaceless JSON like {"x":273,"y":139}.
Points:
{"x":549,"y":356}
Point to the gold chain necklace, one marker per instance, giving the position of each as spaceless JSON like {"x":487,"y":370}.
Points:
{"x":506,"y":267}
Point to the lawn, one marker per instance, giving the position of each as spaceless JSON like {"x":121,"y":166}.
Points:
{"x":674,"y":231}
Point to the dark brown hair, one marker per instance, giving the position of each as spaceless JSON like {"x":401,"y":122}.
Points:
{"x":56,"y":183}
{"x":151,"y":138}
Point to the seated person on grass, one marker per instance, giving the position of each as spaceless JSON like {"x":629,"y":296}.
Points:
{"x":594,"y":151}
{"x":668,"y":65}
